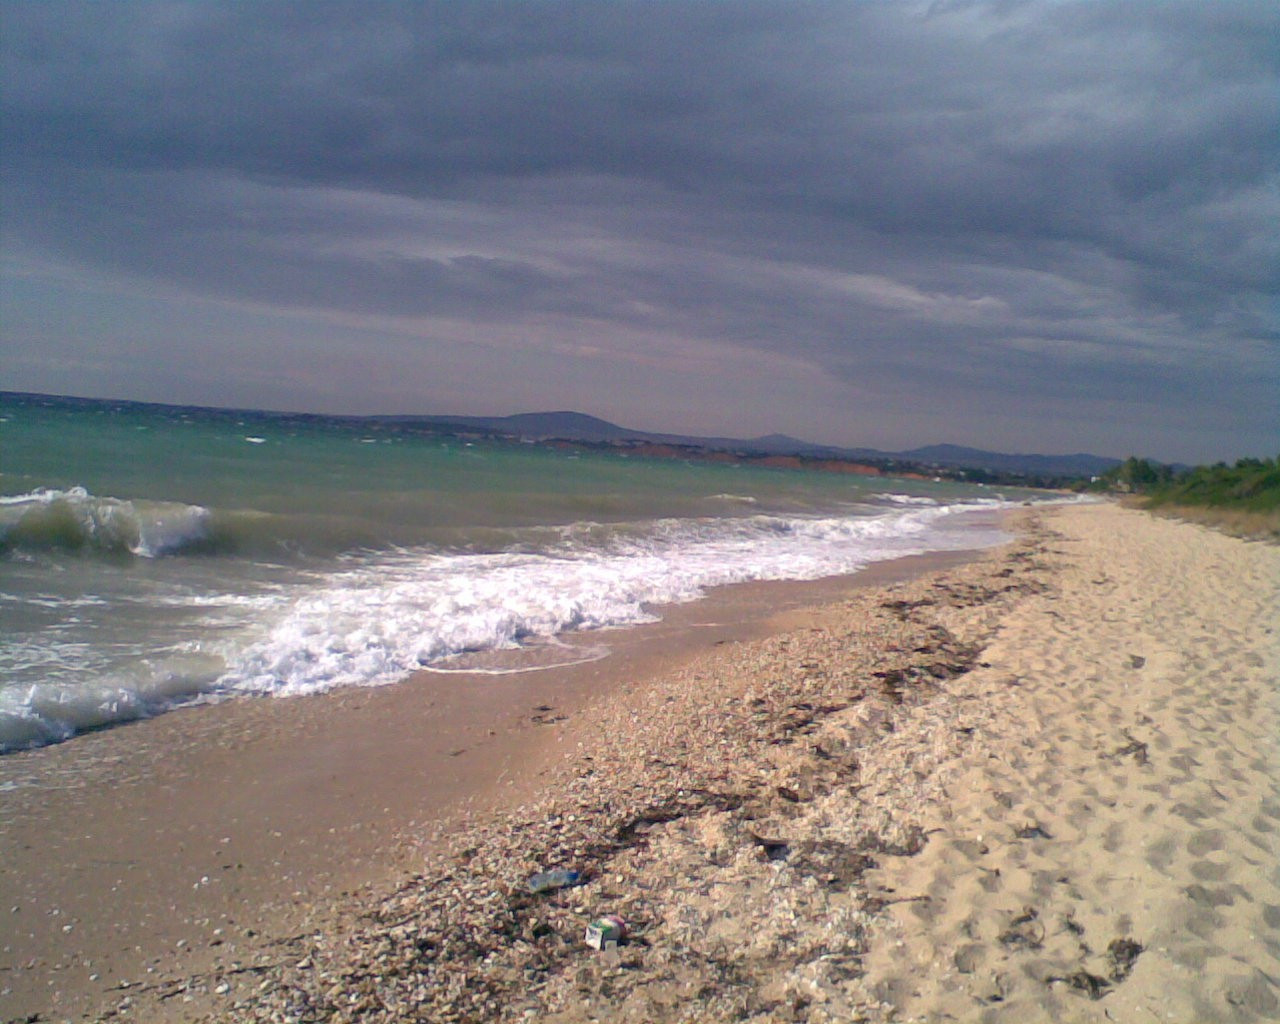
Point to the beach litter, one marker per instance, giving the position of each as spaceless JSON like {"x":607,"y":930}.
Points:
{"x":548,"y":881}
{"x":1135,"y":748}
{"x":606,"y":932}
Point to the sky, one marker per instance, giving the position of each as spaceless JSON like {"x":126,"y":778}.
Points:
{"x":1024,"y":226}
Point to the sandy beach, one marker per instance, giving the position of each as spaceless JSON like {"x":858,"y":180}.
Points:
{"x":137,"y":856}
{"x":1040,"y":786}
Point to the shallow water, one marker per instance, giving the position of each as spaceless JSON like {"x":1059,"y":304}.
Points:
{"x":151,"y":556}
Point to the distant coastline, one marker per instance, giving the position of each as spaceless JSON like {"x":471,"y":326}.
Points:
{"x":661,"y":450}
{"x":577,"y":430}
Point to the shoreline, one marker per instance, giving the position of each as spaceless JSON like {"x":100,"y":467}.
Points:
{"x":217,"y":837}
{"x":1038,"y":787}
{"x":1042,"y":785}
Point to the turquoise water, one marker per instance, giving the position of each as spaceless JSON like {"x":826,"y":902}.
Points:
{"x":151,"y":556}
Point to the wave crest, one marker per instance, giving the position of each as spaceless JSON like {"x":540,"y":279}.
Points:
{"x":75,"y":520}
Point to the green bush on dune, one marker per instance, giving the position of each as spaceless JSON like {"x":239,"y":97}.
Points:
{"x":1242,"y":500}
{"x":1251,"y":485}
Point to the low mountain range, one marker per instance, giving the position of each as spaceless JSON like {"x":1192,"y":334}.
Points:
{"x":576,"y":426}
{"x":580,"y":428}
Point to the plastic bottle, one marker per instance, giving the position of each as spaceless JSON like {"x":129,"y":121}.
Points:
{"x":560,"y":878}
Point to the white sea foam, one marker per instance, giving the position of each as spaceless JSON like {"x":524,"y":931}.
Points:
{"x":47,"y":713}
{"x":380,"y":616}
{"x":906,"y":499}
{"x":375,"y":622}
{"x":536,"y":657}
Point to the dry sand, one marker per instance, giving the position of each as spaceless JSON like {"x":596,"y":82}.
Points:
{"x":1103,"y":845}
{"x":1040,"y":787}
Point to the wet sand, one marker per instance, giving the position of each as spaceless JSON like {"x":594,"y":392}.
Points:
{"x":168,"y":847}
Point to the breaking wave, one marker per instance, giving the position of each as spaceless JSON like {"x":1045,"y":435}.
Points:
{"x":377,"y":616}
{"x":75,"y":520}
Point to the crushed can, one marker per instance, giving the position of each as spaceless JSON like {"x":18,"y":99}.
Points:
{"x":606,"y":932}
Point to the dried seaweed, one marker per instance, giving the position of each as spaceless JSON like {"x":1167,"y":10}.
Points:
{"x":1024,"y":930}
{"x":1092,"y":985}
{"x":1123,"y":953}
{"x":1135,"y":747}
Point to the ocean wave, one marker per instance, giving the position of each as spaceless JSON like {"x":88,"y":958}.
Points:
{"x":44,"y":713}
{"x":75,"y":520}
{"x":377,"y":622}
{"x":905,"y":499}
{"x":376,"y":616}
{"x":79,"y":522}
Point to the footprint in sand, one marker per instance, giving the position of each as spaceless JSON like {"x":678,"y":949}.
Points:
{"x":1206,"y":842}
{"x":1252,"y":993}
{"x":1210,"y":871}
{"x":1209,"y":897}
{"x":1160,"y":854}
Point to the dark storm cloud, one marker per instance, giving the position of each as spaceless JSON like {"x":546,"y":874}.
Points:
{"x":1046,"y":200}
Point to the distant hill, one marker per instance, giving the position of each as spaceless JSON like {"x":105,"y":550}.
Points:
{"x":1078,"y":464}
{"x":784,"y":444}
{"x":576,"y":426}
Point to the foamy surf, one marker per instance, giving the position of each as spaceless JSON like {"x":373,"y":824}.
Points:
{"x":530,"y":656}
{"x":156,"y":556}
{"x":384,"y":615}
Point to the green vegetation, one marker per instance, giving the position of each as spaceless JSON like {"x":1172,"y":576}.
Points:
{"x":1252,"y":485}
{"x":1135,"y":475}
{"x":1243,"y":499}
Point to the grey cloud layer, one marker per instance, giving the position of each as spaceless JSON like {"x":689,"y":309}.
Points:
{"x":1051,"y":199}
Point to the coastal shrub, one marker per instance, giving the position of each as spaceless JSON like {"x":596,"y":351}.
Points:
{"x":1243,"y":500}
{"x":1252,"y":485}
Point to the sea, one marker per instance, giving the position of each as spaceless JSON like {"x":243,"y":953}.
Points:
{"x":156,"y":556}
